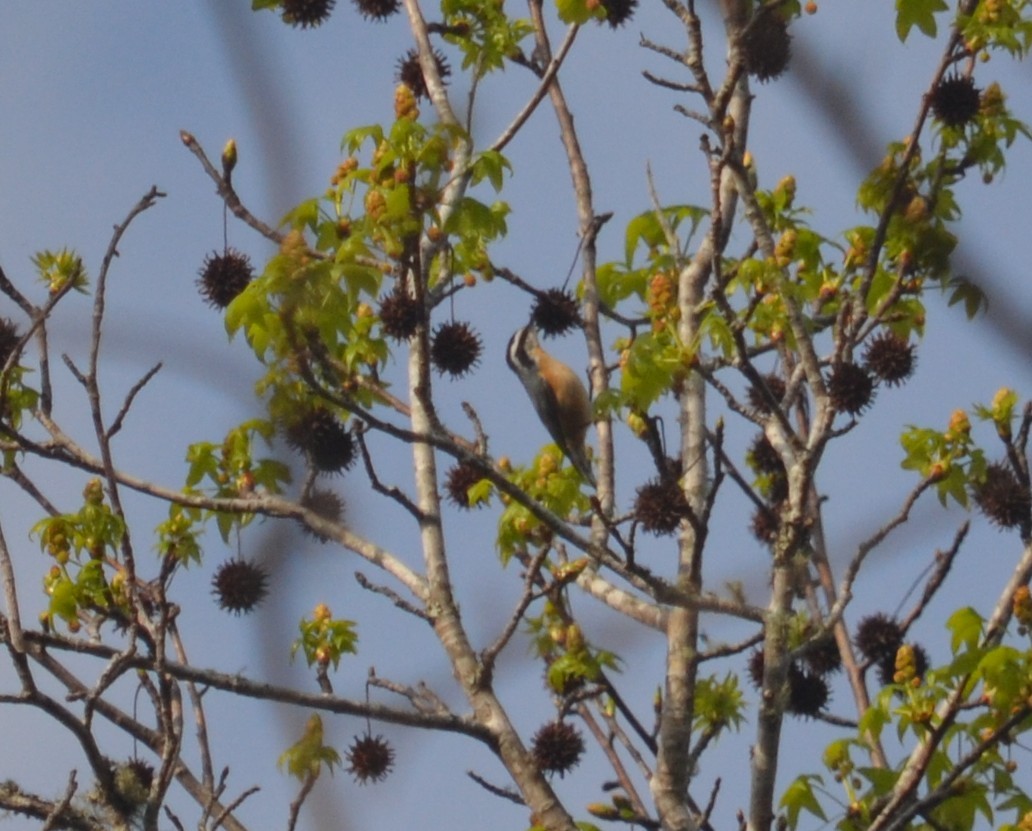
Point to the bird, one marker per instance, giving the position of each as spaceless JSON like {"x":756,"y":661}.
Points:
{"x":558,"y":395}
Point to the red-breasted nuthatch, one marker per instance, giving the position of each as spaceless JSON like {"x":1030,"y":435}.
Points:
{"x":558,"y":395}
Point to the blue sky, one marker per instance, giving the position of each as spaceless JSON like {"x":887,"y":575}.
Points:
{"x":93,"y":96}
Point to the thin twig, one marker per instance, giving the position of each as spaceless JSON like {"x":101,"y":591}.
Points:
{"x":116,"y":425}
{"x":546,"y":81}
{"x":392,"y":595}
{"x":295,"y":805}
{"x":57,"y":818}
{"x":227,"y":193}
{"x":497,"y":790}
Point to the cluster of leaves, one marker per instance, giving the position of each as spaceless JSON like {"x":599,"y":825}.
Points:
{"x":85,"y":549}
{"x":324,"y":639}
{"x":969,"y":775}
{"x":230,"y":470}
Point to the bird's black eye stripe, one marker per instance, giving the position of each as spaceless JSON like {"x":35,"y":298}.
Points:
{"x":517,"y":354}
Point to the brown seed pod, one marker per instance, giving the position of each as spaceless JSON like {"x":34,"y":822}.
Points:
{"x":660,"y":506}
{"x":555,"y":312}
{"x":557,"y":747}
{"x":956,"y":100}
{"x":1002,"y":498}
{"x":306,"y":13}
{"x":370,"y":758}
{"x":455,"y":348}
{"x":410,"y":72}
{"x":223,"y":276}
{"x":850,"y":388}
{"x":239,"y":585}
{"x":890,"y":358}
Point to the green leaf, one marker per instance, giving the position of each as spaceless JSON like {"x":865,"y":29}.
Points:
{"x":577,"y":11}
{"x":646,"y":228}
{"x":920,"y":13}
{"x":63,"y":600}
{"x":491,"y":165}
{"x":353,"y":138}
{"x":964,"y":291}
{"x":800,"y":797}
{"x":965,"y":626}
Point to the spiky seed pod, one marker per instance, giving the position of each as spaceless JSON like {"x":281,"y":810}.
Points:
{"x":890,"y":358}
{"x":762,"y":456}
{"x":410,"y":72}
{"x":851,"y":388}
{"x":400,"y":314}
{"x":370,"y":758}
{"x":223,"y":276}
{"x":555,"y":312}
{"x":326,"y":442}
{"x":823,"y":658}
{"x":239,"y":585}
{"x":455,"y":348}
{"x":1002,"y":498}
{"x":557,"y":748}
{"x":808,"y":694}
{"x":327,"y":505}
{"x":9,"y":337}
{"x":618,"y":12}
{"x":956,"y":100}
{"x":767,"y":46}
{"x":776,"y":385}
{"x":765,"y":525}
{"x":378,"y":10}
{"x":878,"y":637}
{"x":132,"y":783}
{"x":460,"y":479}
{"x":305,"y":13}
{"x":660,"y":506}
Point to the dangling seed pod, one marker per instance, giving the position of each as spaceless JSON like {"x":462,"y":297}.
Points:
{"x":460,"y":479}
{"x":9,"y":337}
{"x":807,"y":694}
{"x":326,"y":442}
{"x":555,"y":312}
{"x":327,"y":505}
{"x":239,"y":585}
{"x":890,"y":358}
{"x":378,"y":10}
{"x":878,"y":637}
{"x":306,"y":13}
{"x":618,"y":12}
{"x":370,"y":758}
{"x":767,"y":46}
{"x":660,"y":506}
{"x":850,"y":388}
{"x":1002,"y":498}
{"x":410,"y":72}
{"x":823,"y":658}
{"x":132,"y":782}
{"x":455,"y":348}
{"x":224,"y":276}
{"x":557,"y":748}
{"x":956,"y":100}
{"x":400,"y":314}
